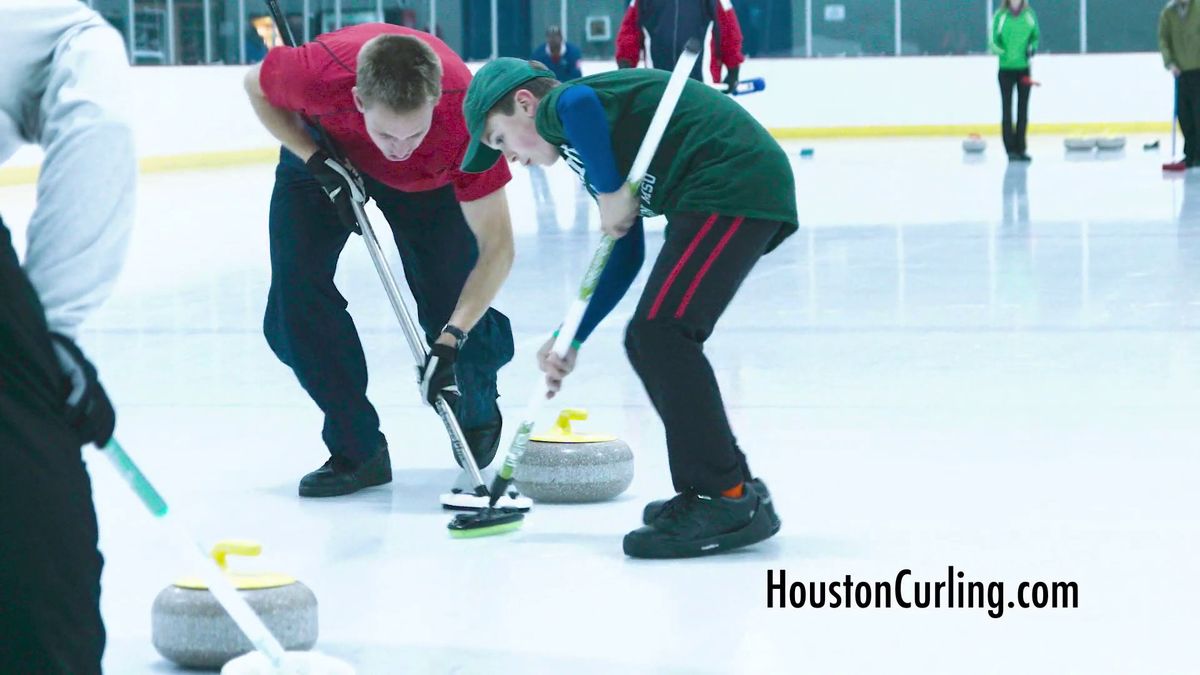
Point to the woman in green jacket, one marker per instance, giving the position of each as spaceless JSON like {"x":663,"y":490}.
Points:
{"x":1015,"y":39}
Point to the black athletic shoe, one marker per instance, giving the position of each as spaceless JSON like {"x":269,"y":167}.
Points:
{"x":336,"y":477}
{"x":653,"y":508}
{"x":1020,"y":157}
{"x":691,"y":524}
{"x":484,"y":441}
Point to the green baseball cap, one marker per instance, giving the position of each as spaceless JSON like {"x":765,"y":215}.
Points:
{"x":490,"y":84}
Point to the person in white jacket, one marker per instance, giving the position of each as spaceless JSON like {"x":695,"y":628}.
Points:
{"x":63,"y":77}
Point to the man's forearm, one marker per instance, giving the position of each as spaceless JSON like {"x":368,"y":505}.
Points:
{"x":285,"y":125}
{"x":489,"y":220}
{"x":482,"y":286}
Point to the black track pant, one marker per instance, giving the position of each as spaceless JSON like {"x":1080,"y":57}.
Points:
{"x":309,"y":329}
{"x":1187,"y":92}
{"x":1014,"y":138}
{"x":703,"y":262}
{"x":49,"y":564}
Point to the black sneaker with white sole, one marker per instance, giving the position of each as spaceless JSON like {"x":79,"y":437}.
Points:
{"x":691,"y":524}
{"x":653,"y":508}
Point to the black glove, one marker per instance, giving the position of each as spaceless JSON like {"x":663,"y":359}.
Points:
{"x":437,"y":376}
{"x":1029,"y":51}
{"x":341,"y":184}
{"x":88,"y":409}
{"x":625,"y":64}
{"x":731,"y":79}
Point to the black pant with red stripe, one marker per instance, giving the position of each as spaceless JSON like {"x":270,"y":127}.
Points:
{"x":702,"y":263}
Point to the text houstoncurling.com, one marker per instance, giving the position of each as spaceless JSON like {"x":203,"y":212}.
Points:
{"x":955,"y":591}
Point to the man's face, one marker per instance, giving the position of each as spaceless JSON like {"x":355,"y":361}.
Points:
{"x":516,"y":136}
{"x":554,"y":39}
{"x":397,"y":135}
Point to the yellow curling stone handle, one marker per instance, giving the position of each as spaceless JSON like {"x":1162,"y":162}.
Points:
{"x":243,"y":582}
{"x":562,"y":432}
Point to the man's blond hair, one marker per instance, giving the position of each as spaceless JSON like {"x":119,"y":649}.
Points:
{"x":398,"y":71}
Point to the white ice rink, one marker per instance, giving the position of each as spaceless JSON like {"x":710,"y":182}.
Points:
{"x":972,"y":364}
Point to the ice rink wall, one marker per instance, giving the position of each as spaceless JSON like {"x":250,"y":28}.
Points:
{"x":197,"y":116}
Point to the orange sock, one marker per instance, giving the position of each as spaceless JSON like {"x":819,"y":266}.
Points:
{"x":735,"y":492}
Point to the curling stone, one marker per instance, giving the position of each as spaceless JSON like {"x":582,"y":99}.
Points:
{"x":190,"y":628}
{"x":1111,"y":143}
{"x":806,"y":153}
{"x":1076,"y":144}
{"x":565,"y":467}
{"x":974,"y":144}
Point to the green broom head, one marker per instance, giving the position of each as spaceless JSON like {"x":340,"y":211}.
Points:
{"x":485,"y":523}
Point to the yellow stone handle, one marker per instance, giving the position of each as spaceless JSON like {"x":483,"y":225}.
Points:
{"x":228,"y":547}
{"x":567,"y":416}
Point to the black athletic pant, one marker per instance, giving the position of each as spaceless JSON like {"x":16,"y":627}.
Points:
{"x":1014,"y":138}
{"x":702,"y":263}
{"x":306,"y":322}
{"x":49,"y":564}
{"x":1187,"y":91}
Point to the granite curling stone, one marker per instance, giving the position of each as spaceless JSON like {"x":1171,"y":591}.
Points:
{"x":1110,"y":143}
{"x":1079,"y":144}
{"x":974,"y":143}
{"x":190,"y":628}
{"x":564,"y":467}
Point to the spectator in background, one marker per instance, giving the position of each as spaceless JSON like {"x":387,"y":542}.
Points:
{"x":1179,"y":42}
{"x":1015,"y":40}
{"x":560,"y":56}
{"x":669,"y":24}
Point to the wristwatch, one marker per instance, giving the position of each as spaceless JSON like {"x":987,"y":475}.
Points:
{"x":457,"y":333}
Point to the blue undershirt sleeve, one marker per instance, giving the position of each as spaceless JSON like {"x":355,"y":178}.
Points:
{"x":618,"y":275}
{"x":586,"y":128}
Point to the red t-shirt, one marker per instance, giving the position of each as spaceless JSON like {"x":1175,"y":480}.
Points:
{"x":315,"y":80}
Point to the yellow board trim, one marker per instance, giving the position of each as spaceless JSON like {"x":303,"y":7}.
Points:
{"x":25,"y":175}
{"x":990,"y":128}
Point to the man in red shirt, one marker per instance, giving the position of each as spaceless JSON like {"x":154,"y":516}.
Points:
{"x":390,"y":99}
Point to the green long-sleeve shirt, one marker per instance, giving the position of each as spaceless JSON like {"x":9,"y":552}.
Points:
{"x":1179,"y":35}
{"x":1014,"y":37}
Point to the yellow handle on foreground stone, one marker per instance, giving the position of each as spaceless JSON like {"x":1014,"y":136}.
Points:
{"x":563,"y":433}
{"x":243,"y":582}
{"x":228,"y":547}
{"x":568,"y":415}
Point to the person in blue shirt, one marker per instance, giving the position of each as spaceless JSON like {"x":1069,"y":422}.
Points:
{"x":560,"y":56}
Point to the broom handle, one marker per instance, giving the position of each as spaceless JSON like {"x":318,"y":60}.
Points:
{"x":239,"y":610}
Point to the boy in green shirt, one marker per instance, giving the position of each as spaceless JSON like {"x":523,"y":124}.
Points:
{"x":727,"y":190}
{"x":1015,"y":40}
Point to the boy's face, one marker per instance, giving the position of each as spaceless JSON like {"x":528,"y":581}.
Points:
{"x":397,"y":135}
{"x":516,"y":136}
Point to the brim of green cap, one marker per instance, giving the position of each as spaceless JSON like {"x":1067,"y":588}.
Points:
{"x":479,"y":157}
{"x":495,"y":79}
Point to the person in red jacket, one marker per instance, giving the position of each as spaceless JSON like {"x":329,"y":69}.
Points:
{"x":659,"y":29}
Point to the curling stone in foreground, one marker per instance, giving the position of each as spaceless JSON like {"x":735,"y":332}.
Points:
{"x":974,"y":144}
{"x":189,"y":627}
{"x":565,"y":467}
{"x":1110,"y":143}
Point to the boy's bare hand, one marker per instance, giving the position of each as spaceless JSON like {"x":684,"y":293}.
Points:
{"x":617,"y":211}
{"x":556,"y":368}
